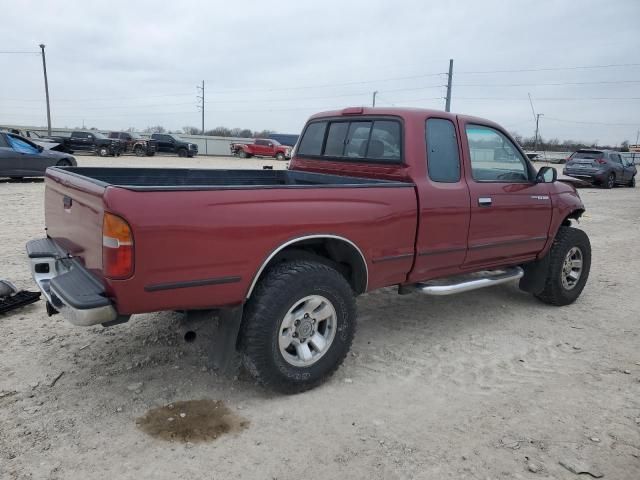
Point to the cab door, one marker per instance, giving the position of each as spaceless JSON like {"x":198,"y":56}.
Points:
{"x":443,"y":204}
{"x":510,"y":212}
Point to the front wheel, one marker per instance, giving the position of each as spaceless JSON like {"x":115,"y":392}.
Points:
{"x":280,"y":156}
{"x":242,"y":154}
{"x":632,"y":182}
{"x":569,"y":265}
{"x":298,"y":326}
{"x":139,"y":151}
{"x":182,"y":152}
{"x":64,"y":163}
{"x":103,"y":151}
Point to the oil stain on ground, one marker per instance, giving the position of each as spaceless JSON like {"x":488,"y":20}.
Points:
{"x":191,"y":421}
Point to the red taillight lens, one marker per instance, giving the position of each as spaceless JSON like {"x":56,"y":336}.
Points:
{"x":117,"y":247}
{"x":601,"y":161}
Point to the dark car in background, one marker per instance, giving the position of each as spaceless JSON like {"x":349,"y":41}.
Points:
{"x":134,"y":143}
{"x":168,"y":143}
{"x":20,"y":157}
{"x":601,"y":167}
{"x":94,"y":142}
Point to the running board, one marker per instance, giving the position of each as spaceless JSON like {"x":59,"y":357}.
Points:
{"x":472,"y":281}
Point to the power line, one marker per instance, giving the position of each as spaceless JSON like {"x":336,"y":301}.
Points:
{"x":550,"y":69}
{"x":603,"y":82}
{"x":591,"y":123}
{"x":20,"y":53}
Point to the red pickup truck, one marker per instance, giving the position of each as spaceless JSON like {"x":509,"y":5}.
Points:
{"x":427,"y":201}
{"x":261,"y":147}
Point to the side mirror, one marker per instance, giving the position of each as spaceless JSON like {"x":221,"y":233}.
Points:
{"x":546,"y":175}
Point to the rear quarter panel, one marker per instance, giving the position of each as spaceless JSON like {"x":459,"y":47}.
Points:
{"x":183,"y":236}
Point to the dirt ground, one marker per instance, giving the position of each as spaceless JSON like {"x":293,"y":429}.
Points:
{"x":490,"y":384}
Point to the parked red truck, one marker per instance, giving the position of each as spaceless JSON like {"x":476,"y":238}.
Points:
{"x":261,"y":147}
{"x":432,"y":202}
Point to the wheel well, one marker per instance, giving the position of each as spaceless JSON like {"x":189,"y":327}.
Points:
{"x":338,"y":253}
{"x":575,"y":215}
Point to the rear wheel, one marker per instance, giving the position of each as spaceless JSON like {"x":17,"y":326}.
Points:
{"x":242,"y":154}
{"x":610,"y":182}
{"x":63,"y":163}
{"x":298,"y":326}
{"x":280,"y":156}
{"x":569,"y":265}
{"x":632,"y":182}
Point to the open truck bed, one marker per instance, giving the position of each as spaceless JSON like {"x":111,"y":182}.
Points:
{"x":207,"y":179}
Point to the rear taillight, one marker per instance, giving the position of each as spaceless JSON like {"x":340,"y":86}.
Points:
{"x":601,"y":161}
{"x":117,"y":247}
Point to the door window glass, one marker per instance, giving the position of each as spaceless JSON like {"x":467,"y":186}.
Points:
{"x":443,"y":160}
{"x":494,"y":158}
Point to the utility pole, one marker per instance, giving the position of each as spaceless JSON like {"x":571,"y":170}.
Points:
{"x":201,"y":99}
{"x":46,"y":89}
{"x":537,"y":122}
{"x":447,"y":106}
{"x":374,"y":98}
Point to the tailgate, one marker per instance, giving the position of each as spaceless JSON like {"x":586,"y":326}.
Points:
{"x":73,"y":216}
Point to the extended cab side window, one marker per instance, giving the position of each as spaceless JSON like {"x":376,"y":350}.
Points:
{"x":443,"y":159}
{"x":494,"y":158}
{"x":312,"y":140}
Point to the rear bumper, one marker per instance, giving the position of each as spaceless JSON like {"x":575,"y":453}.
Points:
{"x":68,"y":286}
{"x":594,"y":176}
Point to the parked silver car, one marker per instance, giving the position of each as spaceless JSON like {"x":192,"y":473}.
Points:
{"x":20,"y":157}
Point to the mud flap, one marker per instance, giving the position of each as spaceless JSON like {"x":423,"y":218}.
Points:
{"x":223,"y":354}
{"x":535,"y":275}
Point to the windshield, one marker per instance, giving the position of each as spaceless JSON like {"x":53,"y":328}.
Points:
{"x":175,"y":137}
{"x":98,"y":135}
{"x":135,"y":135}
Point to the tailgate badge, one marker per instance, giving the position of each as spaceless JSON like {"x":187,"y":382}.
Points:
{"x":66,"y":201}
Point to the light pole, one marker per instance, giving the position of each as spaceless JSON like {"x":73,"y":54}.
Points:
{"x":447,"y":105}
{"x":535,"y":148}
{"x":374,"y":98}
{"x":46,"y":89}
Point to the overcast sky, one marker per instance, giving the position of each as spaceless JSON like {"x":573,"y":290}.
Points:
{"x":271,"y":64}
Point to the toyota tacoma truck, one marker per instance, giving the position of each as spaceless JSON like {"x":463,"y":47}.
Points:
{"x":261,"y":147}
{"x":430,"y":202}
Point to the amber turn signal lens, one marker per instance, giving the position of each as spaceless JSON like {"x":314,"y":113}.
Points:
{"x":117,"y":247}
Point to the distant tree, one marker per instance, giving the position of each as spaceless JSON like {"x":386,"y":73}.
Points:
{"x":131,"y":129}
{"x":245,"y":133}
{"x":263,"y":134}
{"x":624,"y":146}
{"x":219,"y":132}
{"x":191,"y":130}
{"x":156,"y":129}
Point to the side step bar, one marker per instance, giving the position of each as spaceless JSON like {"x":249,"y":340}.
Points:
{"x":472,"y":281}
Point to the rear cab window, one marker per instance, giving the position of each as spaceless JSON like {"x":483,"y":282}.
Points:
{"x":366,"y":139}
{"x":443,"y":157}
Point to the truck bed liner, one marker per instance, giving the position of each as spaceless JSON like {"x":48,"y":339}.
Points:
{"x":199,"y":179}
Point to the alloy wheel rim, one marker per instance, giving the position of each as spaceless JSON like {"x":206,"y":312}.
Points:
{"x":572,"y":268}
{"x":307,"y":331}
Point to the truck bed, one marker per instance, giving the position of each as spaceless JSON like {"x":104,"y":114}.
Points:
{"x":150,"y":179}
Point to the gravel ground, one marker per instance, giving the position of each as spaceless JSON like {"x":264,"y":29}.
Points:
{"x":490,"y":384}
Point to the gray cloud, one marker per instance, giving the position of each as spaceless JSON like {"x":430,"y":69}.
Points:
{"x":127,"y":64}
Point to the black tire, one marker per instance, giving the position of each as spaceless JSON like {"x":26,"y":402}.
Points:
{"x":65,"y":162}
{"x":280,"y":289}
{"x":182,"y":152}
{"x":150,"y":154}
{"x":280,"y":156}
{"x":610,"y":182}
{"x":103,"y":151}
{"x":632,"y":182}
{"x":554,"y":292}
{"x":139,"y":151}
{"x":243,"y":154}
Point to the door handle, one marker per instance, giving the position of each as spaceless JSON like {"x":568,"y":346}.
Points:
{"x":484,"y":201}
